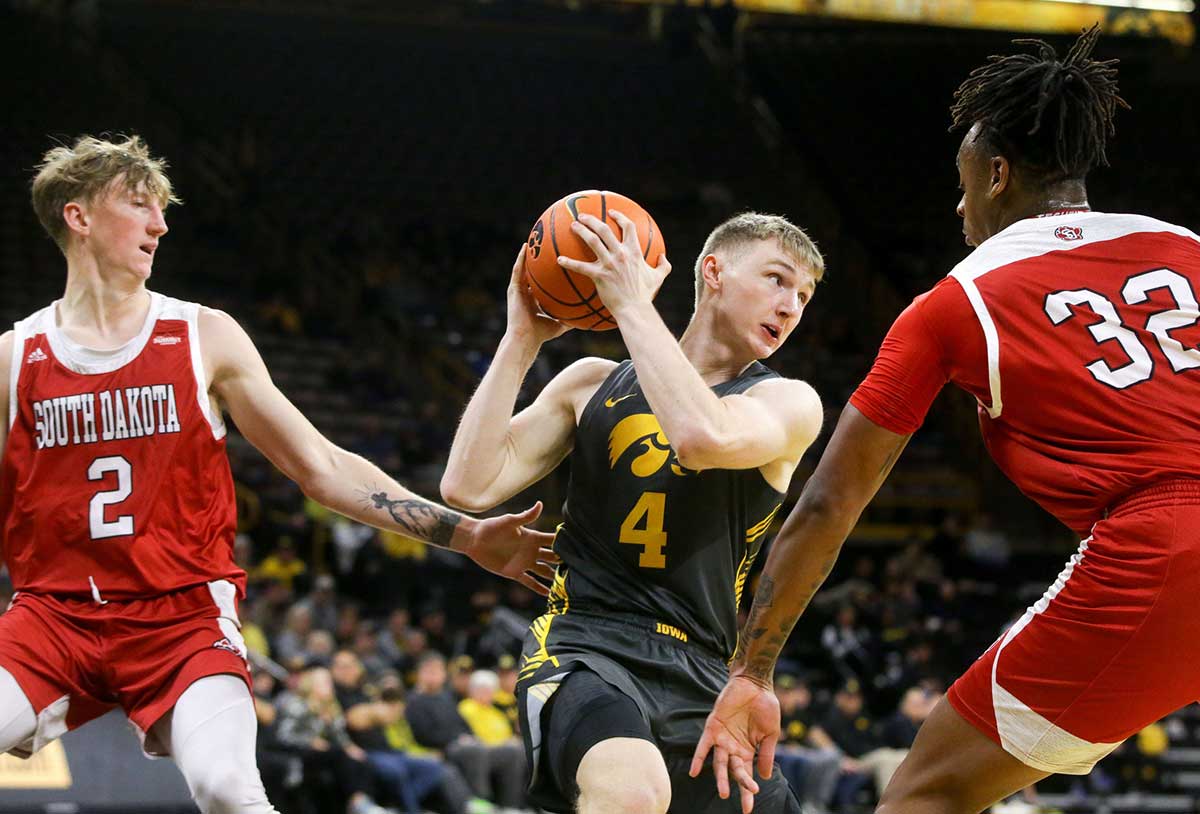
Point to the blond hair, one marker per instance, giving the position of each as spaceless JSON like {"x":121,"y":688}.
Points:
{"x":736,"y":234}
{"x":86,"y":169}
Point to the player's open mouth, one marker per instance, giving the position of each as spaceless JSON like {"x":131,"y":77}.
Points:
{"x":771,"y":330}
{"x":149,"y":248}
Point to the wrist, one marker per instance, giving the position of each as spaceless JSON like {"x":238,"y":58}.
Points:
{"x":463,"y":534}
{"x":525,"y":340}
{"x":760,"y":678}
{"x":632,"y":310}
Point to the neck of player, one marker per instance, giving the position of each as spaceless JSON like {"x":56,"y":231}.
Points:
{"x":101,"y":310}
{"x":716,"y":360}
{"x":1064,"y":195}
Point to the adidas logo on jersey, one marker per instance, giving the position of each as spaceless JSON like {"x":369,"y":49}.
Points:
{"x":225,"y":644}
{"x":167,"y":340}
{"x":36,"y":356}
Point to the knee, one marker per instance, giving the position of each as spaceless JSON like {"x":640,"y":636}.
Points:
{"x":641,"y":793}
{"x":227,"y":787}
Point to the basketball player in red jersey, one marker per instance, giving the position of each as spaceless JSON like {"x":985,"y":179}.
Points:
{"x":116,"y":497}
{"x":1075,"y":331}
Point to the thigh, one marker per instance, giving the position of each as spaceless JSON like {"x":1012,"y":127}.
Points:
{"x":18,"y":722}
{"x":160,"y":647}
{"x":954,"y":767}
{"x":584,"y":711}
{"x":55,"y":661}
{"x":1104,"y":653}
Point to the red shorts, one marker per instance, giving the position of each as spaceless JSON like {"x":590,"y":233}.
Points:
{"x":76,"y":659}
{"x":1110,"y":648}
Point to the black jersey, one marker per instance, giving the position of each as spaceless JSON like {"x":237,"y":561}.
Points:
{"x":644,"y":536}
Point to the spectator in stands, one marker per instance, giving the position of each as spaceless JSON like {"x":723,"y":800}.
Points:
{"x":433,"y":714}
{"x":849,"y":727}
{"x":290,"y":643}
{"x":812,"y":771}
{"x":322,"y":603}
{"x":487,"y":721}
{"x":460,"y":669}
{"x":282,"y":565}
{"x":412,"y":779}
{"x":311,"y":722}
{"x":847,"y":643}
{"x":506,"y":696}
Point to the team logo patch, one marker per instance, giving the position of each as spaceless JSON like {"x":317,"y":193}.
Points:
{"x":535,"y":239}
{"x":225,"y":644}
{"x":642,"y":433}
{"x":1068,"y":233}
{"x":36,"y":356}
{"x":167,"y":340}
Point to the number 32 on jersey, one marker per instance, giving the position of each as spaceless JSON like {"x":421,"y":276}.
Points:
{"x":644,"y":526}
{"x":1135,"y":291}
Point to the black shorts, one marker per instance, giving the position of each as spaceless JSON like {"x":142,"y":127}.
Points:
{"x":638,"y":683}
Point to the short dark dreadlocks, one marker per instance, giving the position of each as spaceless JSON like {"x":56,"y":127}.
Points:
{"x":1050,"y":115}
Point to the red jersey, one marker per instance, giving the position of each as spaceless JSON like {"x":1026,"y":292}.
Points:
{"x":1077,"y":334}
{"x":114,"y":481}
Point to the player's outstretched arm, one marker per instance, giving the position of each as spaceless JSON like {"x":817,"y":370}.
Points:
{"x":348,"y":483}
{"x":496,"y":454}
{"x":775,"y":420}
{"x":745,"y":719}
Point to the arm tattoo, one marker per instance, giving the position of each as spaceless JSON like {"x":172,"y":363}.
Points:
{"x":421,"y":519}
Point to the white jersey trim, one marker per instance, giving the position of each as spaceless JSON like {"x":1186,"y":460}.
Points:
{"x":1024,"y":733}
{"x":190,"y":312}
{"x":1029,"y":238}
{"x":89,"y":361}
{"x":21,"y":333}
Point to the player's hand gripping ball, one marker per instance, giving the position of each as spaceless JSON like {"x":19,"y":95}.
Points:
{"x":568,"y":296}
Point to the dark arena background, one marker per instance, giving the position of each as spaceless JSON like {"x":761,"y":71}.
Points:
{"x":356,"y":178}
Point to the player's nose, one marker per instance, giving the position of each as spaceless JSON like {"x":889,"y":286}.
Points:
{"x":158,"y":223}
{"x":961,"y":209}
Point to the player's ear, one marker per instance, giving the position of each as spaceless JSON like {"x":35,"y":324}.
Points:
{"x":711,"y":270}
{"x":76,"y":217}
{"x":1001,"y":175}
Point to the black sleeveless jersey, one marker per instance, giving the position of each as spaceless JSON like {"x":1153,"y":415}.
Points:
{"x":644,"y":536}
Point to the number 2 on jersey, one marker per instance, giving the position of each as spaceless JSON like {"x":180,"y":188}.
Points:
{"x":123,"y":525}
{"x":650,"y":510}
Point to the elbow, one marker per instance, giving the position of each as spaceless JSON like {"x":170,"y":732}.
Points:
{"x":828,"y":508}
{"x":459,"y":495}
{"x":314,"y":473}
{"x":697,"y":449}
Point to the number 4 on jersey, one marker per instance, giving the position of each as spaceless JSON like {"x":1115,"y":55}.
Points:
{"x":651,"y":507}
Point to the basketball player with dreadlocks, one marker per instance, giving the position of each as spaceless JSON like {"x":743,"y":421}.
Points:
{"x":1075,"y":331}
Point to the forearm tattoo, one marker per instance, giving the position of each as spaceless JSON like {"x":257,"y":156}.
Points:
{"x":420,"y":519}
{"x":769,"y":643}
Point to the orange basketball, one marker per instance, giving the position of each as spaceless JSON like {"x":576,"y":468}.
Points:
{"x":568,"y":296}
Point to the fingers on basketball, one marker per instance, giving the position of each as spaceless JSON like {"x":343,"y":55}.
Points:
{"x":568,"y":296}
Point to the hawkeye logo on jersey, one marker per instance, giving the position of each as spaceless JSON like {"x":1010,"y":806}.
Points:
{"x":110,"y":415}
{"x":1069,"y":233}
{"x":654,"y":449}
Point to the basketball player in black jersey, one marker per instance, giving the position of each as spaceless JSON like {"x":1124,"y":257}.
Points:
{"x":680,"y":459}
